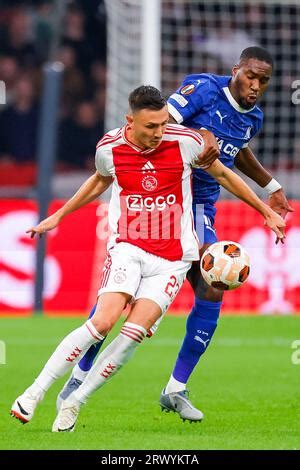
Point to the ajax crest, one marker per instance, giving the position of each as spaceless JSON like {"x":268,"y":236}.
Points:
{"x":149,"y":183}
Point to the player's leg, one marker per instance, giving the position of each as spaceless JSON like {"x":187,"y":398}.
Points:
{"x":109,"y":362}
{"x":84,"y":365}
{"x":73,"y":347}
{"x":200,"y":327}
{"x":80,"y":370}
{"x":152,"y":300}
{"x":69,"y":352}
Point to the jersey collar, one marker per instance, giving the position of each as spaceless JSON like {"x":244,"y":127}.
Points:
{"x":234,"y":103}
{"x":135,"y":147}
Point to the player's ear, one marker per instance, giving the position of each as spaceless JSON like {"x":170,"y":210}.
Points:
{"x":234,"y":70}
{"x":129,"y":119}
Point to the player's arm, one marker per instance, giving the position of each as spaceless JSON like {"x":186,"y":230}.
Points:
{"x":233,"y":183}
{"x":211,"y":149}
{"x":92,"y":188}
{"x":248,"y":164}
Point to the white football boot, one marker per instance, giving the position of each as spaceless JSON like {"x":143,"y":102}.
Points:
{"x":67,"y":416}
{"x":24,"y":406}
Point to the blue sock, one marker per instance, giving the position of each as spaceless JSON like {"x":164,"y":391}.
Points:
{"x":200,"y":327}
{"x":86,"y":362}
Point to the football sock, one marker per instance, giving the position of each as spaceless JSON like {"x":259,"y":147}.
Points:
{"x":84,"y":365}
{"x":112,"y":358}
{"x":200,"y":327}
{"x":78,"y":373}
{"x":67,"y":353}
{"x":174,"y":386}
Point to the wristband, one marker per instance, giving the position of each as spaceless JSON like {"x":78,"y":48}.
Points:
{"x":272,"y":186}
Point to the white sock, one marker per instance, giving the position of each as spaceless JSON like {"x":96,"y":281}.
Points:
{"x":112,"y":358}
{"x":79,"y":374}
{"x":174,"y":386}
{"x":67,"y":353}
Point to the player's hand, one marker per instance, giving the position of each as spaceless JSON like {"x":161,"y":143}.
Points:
{"x":44,"y":226}
{"x":279,"y":203}
{"x":276,"y":223}
{"x":211,"y":149}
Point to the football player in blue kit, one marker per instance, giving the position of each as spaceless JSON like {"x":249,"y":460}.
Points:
{"x":223,"y":110}
{"x":226,"y":106}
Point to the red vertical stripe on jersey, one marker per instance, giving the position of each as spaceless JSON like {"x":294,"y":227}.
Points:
{"x":158,"y":229}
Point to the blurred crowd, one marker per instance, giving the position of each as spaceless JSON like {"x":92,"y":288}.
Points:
{"x":216,"y":33}
{"x":27,"y":30}
{"x":196,"y":37}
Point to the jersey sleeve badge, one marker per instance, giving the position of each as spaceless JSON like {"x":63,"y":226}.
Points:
{"x":188,"y":89}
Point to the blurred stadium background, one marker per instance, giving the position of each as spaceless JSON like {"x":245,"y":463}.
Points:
{"x":247,"y":383}
{"x":106,"y":49}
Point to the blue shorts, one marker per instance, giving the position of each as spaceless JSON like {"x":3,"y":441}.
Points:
{"x":204,"y":217}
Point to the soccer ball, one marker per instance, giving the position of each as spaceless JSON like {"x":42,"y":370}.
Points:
{"x":225,"y":265}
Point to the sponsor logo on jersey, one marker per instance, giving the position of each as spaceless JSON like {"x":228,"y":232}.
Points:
{"x":220,"y":116}
{"x":227,"y":147}
{"x":149,"y":183}
{"x":136,"y":202}
{"x":180,"y":99}
{"x":148,"y":167}
{"x":188,"y":89}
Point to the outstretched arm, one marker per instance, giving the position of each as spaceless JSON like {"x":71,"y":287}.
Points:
{"x":233,"y":183}
{"x":88,"y":192}
{"x":248,"y":164}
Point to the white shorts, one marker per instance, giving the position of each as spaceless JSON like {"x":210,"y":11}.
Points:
{"x":140,"y":274}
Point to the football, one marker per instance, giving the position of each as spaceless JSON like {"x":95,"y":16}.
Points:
{"x":225,"y":265}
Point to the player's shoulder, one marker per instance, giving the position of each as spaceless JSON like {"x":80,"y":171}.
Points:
{"x":209,"y":81}
{"x":257,"y":112}
{"x":256,"y":117}
{"x":109,"y":138}
{"x":181,"y":133}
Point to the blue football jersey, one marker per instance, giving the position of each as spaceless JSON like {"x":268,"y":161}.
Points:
{"x":204,"y":100}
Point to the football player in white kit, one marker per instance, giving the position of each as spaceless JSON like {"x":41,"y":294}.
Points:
{"x":153,"y":242}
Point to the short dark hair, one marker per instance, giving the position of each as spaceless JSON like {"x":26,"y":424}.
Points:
{"x":146,"y":96}
{"x":258,"y":53}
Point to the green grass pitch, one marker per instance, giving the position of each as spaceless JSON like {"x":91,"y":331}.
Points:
{"x":246,"y":385}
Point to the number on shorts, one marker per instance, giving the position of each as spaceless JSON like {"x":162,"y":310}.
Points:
{"x":172,"y":287}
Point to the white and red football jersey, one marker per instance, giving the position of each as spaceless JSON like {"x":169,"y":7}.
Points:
{"x":151,"y":202}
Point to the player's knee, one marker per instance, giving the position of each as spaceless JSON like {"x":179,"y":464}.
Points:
{"x":214,"y":295}
{"x":205,"y":292}
{"x":102,"y":325}
{"x":201,"y":289}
